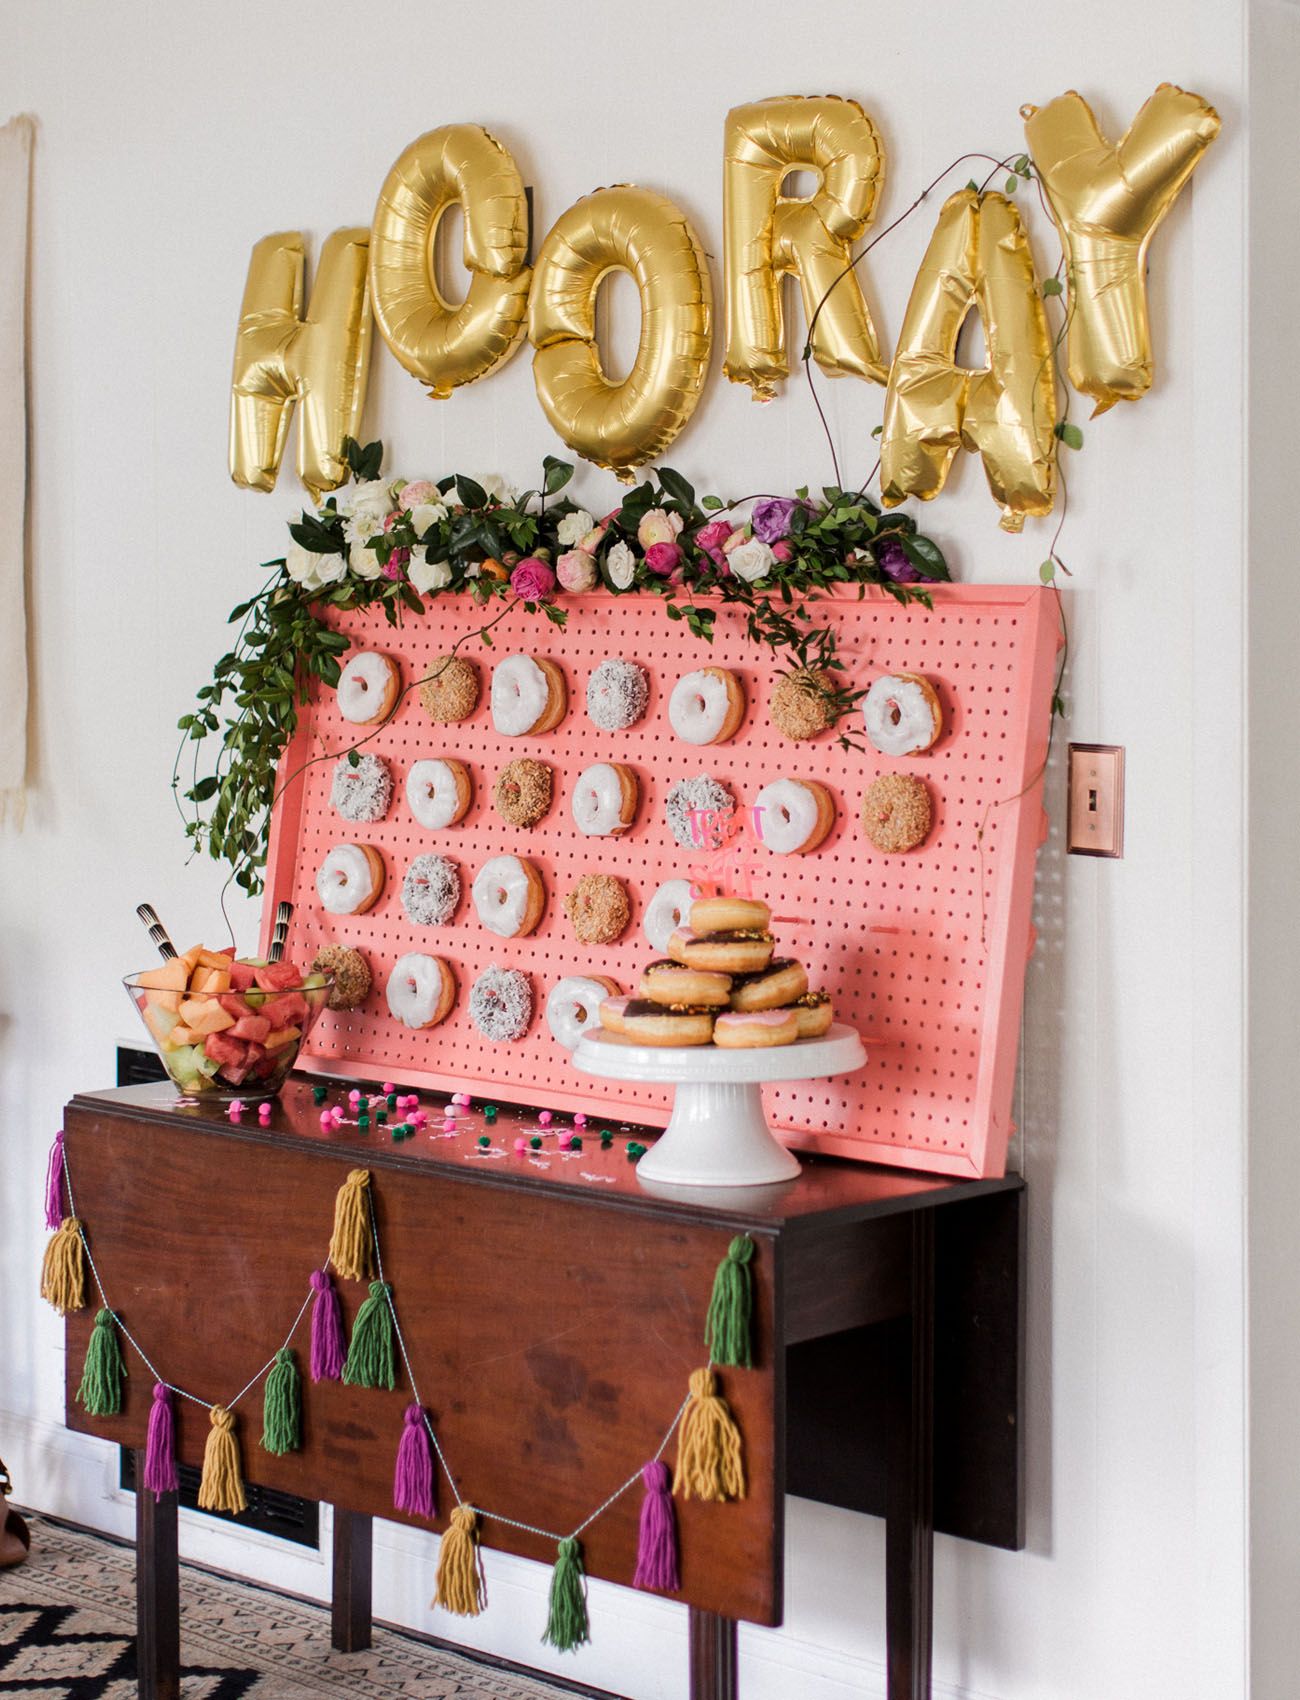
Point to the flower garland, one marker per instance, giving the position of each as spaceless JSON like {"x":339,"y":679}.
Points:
{"x":395,"y":545}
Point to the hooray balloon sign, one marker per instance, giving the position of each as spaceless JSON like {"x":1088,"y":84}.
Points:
{"x":1106,"y":200}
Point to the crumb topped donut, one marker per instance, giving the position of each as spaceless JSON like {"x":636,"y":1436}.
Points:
{"x":599,"y":909}
{"x":501,"y":1003}
{"x":350,"y":879}
{"x":529,"y":696}
{"x":573,"y":1006}
{"x":605,"y":799}
{"x":707,"y":706}
{"x":695,"y":809}
{"x":800,"y":706}
{"x":431,"y":891}
{"x":368,"y":687}
{"x":421,"y":990}
{"x":509,"y":896}
{"x":793,"y":816}
{"x":522,"y":793}
{"x":450,"y":690}
{"x":896,"y":812}
{"x":363,"y":792}
{"x":666,"y":911}
{"x":350,"y":972}
{"x":902,"y":714}
{"x":438,"y":792}
{"x":618,"y":694}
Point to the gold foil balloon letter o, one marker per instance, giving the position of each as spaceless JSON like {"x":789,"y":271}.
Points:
{"x":768,"y":235}
{"x":443,"y":345}
{"x":281,"y":360}
{"x":1006,"y":412}
{"x":623,"y":425}
{"x":1107,"y":202}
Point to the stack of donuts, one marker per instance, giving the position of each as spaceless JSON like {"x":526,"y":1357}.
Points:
{"x":721,"y":984}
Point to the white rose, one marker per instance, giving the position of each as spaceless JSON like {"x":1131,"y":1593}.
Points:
{"x":752,"y":560}
{"x":473,"y":569}
{"x":367,"y":506}
{"x":424,"y":515}
{"x":574,"y":527}
{"x":364,"y":562}
{"x":427,"y":575}
{"x":330,"y":568}
{"x":300,"y":564}
{"x":620,"y":564}
{"x":496,"y":489}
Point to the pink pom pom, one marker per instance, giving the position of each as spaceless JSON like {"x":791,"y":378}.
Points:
{"x":564,"y":1141}
{"x":326,"y":1120}
{"x":388,"y":1087}
{"x":545,"y":1118}
{"x":449,"y":1127}
{"x":579,"y":1120}
{"x":521,"y":1146}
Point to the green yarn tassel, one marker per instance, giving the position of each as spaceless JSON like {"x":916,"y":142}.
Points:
{"x":282,"y":1407}
{"x":727,"y":1330}
{"x":370,"y":1352}
{"x":100,"y":1393}
{"x":566,"y":1624}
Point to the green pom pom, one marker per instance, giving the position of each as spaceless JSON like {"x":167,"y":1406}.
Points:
{"x":728,"y":1326}
{"x":282,"y":1406}
{"x":371,"y":1362}
{"x":100,"y":1393}
{"x":566,"y":1623}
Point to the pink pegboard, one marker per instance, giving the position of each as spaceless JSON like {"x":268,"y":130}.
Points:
{"x":924,"y":953}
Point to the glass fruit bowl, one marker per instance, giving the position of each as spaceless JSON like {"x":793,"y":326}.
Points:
{"x":226,"y":1028}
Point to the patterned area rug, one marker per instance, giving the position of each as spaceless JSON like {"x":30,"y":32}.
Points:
{"x":67,"y":1628}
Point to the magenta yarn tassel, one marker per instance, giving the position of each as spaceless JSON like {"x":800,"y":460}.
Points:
{"x":656,"y":1552}
{"x":160,"y":1446}
{"x":413,"y":1477}
{"x":327,"y":1349}
{"x":54,"y":1211}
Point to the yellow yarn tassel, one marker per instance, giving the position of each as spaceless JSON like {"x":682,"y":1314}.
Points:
{"x":63,"y":1274}
{"x":461,"y":1586}
{"x":710,"y":1463}
{"x":221,"y":1487}
{"x":351,"y":1251}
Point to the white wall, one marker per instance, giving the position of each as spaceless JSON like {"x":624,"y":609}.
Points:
{"x":169,"y":140}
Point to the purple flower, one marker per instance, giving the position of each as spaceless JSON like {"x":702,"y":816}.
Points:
{"x":771,"y":518}
{"x":891,"y":558}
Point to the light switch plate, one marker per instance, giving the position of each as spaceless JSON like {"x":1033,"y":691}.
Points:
{"x":1096,"y":817}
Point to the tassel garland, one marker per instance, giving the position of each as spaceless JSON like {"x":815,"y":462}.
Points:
{"x":460,"y":1587}
{"x":327,"y":1347}
{"x":221,"y":1487}
{"x":566,"y":1623}
{"x":351,"y":1251}
{"x":282,"y":1405}
{"x":63,"y":1273}
{"x":54,"y":1184}
{"x":413,"y":1475}
{"x":160,"y":1445}
{"x":656,"y":1551}
{"x":710,"y":1463}
{"x":100,"y":1393}
{"x":370,"y":1355}
{"x":727,"y":1328}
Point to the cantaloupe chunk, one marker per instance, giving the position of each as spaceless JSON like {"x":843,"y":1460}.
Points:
{"x":205,"y":1015}
{"x":210,"y":981}
{"x":213,"y":959}
{"x":280,"y":1037}
{"x":173,"y":976}
{"x":191,"y":957}
{"x":163,"y":1000}
{"x":178,"y":1038}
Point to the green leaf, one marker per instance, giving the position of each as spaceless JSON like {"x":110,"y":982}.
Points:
{"x":711,"y":504}
{"x":555,"y":473}
{"x":1022,"y":165}
{"x":203,"y":790}
{"x":1011,"y":185}
{"x":473,"y":495}
{"x":876,"y":430}
{"x":677,"y":487}
{"x":925,"y":555}
{"x":1069,"y":434}
{"x":1052,"y":286}
{"x":973,"y":186}
{"x":1047,"y":572}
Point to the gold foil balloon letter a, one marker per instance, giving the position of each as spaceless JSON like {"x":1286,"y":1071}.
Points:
{"x":1006,"y":411}
{"x":1107,"y":202}
{"x":440,"y":344}
{"x":320,"y":363}
{"x":768,"y":235}
{"x":620,"y":425}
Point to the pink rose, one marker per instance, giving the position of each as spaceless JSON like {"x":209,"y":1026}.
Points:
{"x":396,"y":566}
{"x":576,"y":570}
{"x":711,"y":537}
{"x":591,"y":542}
{"x":658,"y":526}
{"x":532,"y":580}
{"x":735,"y":539}
{"x":415,"y":495}
{"x":783,"y":551}
{"x":661,"y":558}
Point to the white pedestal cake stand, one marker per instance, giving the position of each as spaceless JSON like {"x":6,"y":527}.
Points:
{"x":718,"y":1134}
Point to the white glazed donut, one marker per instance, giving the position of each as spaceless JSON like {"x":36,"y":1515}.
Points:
{"x":345,"y":880}
{"x":503,"y":892}
{"x":700,"y":705}
{"x":792,"y":816}
{"x":572,"y":1007}
{"x":668,"y":909}
{"x":598,"y":801}
{"x":617,"y":694}
{"x":363,"y":792}
{"x":501,"y":1003}
{"x":367,"y":687}
{"x":520,"y":694}
{"x":433,"y":794}
{"x":902,"y":714}
{"x":417,"y":989}
{"x":431,"y":891}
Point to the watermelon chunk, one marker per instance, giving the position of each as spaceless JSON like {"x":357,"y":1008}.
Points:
{"x":277,"y":976}
{"x":254,"y":1027}
{"x":230,"y":1053}
{"x":288,"y":1010}
{"x":242,"y":976}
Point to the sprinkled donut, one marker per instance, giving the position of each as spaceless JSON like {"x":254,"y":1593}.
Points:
{"x":509,"y":896}
{"x":598,"y":908}
{"x":350,"y":879}
{"x":796,"y":814}
{"x":431,"y":891}
{"x":363,"y":792}
{"x":604,"y":799}
{"x":618,"y":694}
{"x":694,"y":808}
{"x":896,"y":812}
{"x":450,"y":690}
{"x":368,"y":687}
{"x":522,"y":793}
{"x":438,"y":792}
{"x":902,"y":714}
{"x":501,"y":1003}
{"x":573,"y":1006}
{"x":801,"y":703}
{"x":706,"y":706}
{"x":350,"y":972}
{"x":421,"y":990}
{"x":668,"y":909}
{"x":528,"y":696}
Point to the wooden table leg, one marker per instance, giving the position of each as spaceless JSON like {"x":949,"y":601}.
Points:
{"x":350,"y":1601}
{"x":713,"y":1656}
{"x":909,"y":1518}
{"x":157,"y":1593}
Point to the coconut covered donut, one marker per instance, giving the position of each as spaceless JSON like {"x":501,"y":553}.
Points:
{"x":431,"y":891}
{"x":368,"y":687}
{"x":363,"y":792}
{"x":574,"y":1006}
{"x":438,"y":792}
{"x":421,"y":990}
{"x":707,"y":706}
{"x":350,"y":879}
{"x":528,"y":696}
{"x":450,"y":689}
{"x":598,"y":908}
{"x":695,"y":809}
{"x":896,"y":812}
{"x":801,"y":703}
{"x":796,"y":814}
{"x":618,"y":694}
{"x":350,"y":973}
{"x":509,"y":896}
{"x":902,"y":714}
{"x":501,"y":1003}
{"x":522,"y":793}
{"x":604,"y":799}
{"x":667,"y":910}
